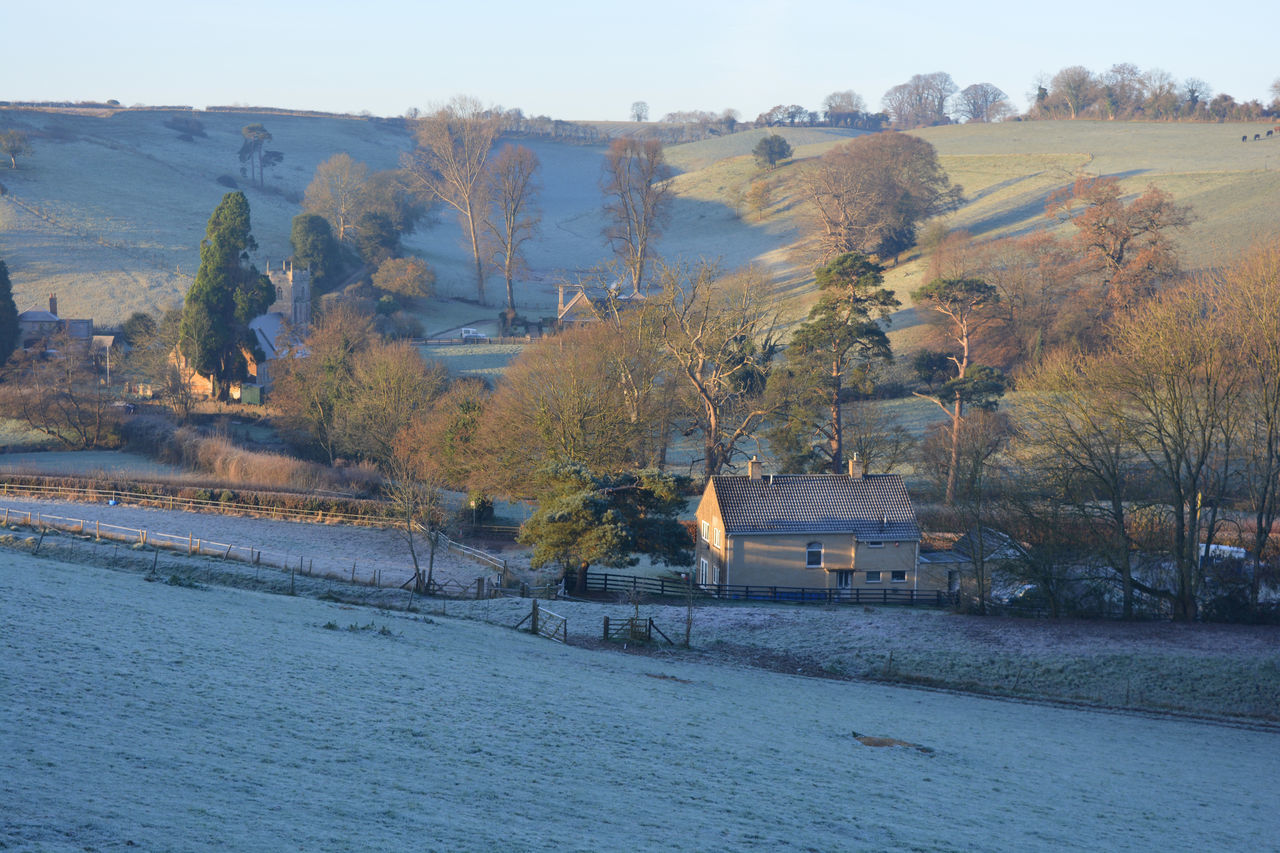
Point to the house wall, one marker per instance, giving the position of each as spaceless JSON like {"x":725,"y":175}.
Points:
{"x":780,"y":560}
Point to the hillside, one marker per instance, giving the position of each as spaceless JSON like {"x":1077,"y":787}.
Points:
{"x":109,"y":211}
{"x":184,"y":716}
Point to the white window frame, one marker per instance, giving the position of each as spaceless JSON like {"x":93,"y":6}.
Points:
{"x":808,"y":555}
{"x":703,"y":571}
{"x":878,"y":576}
{"x":873,"y":544}
{"x":844,"y":579}
{"x":717,"y":535}
{"x":706,"y":531}
{"x":893,"y":576}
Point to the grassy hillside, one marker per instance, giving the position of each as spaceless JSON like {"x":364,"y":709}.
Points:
{"x":109,"y":211}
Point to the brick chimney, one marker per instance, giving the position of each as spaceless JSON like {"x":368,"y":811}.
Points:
{"x":53,"y":304}
{"x":856,"y":468}
{"x":753,"y":469}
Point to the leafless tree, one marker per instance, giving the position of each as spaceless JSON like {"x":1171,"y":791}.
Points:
{"x":840,"y":107}
{"x":637,"y":190}
{"x":982,"y":102}
{"x":337,"y":192}
{"x":513,"y":188}
{"x":721,"y":333}
{"x":639,"y":111}
{"x":450,"y":161}
{"x":1074,"y":88}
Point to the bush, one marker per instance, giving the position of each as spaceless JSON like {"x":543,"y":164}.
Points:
{"x":228,"y":181}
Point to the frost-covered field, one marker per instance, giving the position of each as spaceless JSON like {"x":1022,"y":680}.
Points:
{"x":138,"y":715}
{"x":323,"y":549}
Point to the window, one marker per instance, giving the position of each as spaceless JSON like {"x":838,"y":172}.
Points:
{"x":873,"y":544}
{"x":717,"y":537}
{"x":813,"y":555}
{"x":898,"y":576}
{"x":706,"y":531}
{"x":873,"y":577}
{"x":844,"y":579}
{"x":702,"y":571}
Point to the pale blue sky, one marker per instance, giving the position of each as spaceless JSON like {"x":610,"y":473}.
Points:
{"x":590,"y":60}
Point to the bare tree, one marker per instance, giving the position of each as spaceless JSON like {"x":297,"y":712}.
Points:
{"x":637,"y":190}
{"x":513,"y":188}
{"x":841,"y":107}
{"x":450,"y":161}
{"x":338,"y":193}
{"x":639,"y":111}
{"x":721,"y":333}
{"x":870,"y":194}
{"x":982,"y":102}
{"x":1074,"y":88}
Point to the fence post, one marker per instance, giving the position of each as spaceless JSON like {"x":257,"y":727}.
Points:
{"x":189,"y":541}
{"x":534,"y":615}
{"x":479,"y":588}
{"x":605,"y":637}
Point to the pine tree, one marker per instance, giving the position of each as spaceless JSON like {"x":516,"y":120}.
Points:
{"x":8,"y":316}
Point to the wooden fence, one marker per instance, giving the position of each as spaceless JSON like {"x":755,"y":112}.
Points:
{"x":606,"y":583}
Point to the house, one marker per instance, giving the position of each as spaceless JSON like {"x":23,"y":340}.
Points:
{"x":845,"y":532}
{"x":585,"y":304}
{"x":36,"y":326}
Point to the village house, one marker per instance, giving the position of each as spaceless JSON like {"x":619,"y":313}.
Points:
{"x":37,"y":326}
{"x":584,"y":304}
{"x":843,"y":532}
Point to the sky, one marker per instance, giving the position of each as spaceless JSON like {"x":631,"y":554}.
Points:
{"x":592,"y":60}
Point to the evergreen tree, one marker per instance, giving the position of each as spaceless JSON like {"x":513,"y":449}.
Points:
{"x":314,"y":248}
{"x":8,"y":316}
{"x":228,"y":292}
{"x":607,"y":519}
{"x":831,"y":355}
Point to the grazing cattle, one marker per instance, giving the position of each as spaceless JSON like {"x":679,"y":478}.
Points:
{"x":1256,"y":137}
{"x":1244,"y":138}
{"x":1268,"y":133}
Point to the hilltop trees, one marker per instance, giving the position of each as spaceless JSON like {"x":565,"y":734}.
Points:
{"x":449,"y":164}
{"x":982,"y":102}
{"x":637,"y":190}
{"x":870,"y":194}
{"x":14,"y":144}
{"x":228,"y":292}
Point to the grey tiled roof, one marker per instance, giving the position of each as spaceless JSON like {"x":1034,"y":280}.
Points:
{"x":872,"y":507}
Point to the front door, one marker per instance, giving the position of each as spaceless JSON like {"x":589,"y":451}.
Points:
{"x":844,"y":583}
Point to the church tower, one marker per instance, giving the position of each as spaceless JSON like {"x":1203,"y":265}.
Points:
{"x":293,"y":295}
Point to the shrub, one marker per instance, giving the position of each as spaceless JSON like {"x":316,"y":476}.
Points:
{"x":228,"y":181}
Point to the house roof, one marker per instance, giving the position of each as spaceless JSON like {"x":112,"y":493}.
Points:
{"x":872,"y":507}
{"x":36,"y":315}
